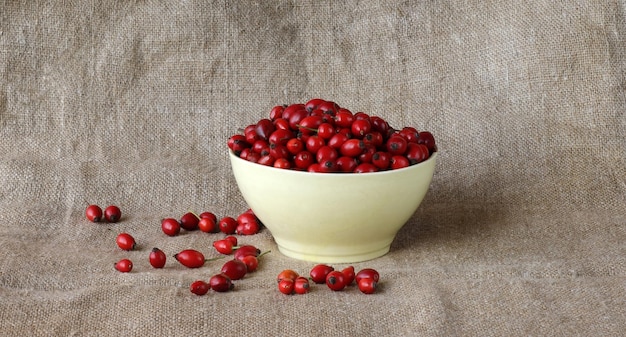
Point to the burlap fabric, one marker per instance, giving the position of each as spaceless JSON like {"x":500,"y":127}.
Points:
{"x":131,"y":102}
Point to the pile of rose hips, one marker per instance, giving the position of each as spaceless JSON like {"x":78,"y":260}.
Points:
{"x":290,"y":282}
{"x":245,"y":257}
{"x":321,"y":136}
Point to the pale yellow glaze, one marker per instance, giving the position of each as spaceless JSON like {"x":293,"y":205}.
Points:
{"x":333,"y":217}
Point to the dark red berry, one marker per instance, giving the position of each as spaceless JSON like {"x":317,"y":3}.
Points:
{"x":335,"y":280}
{"x":189,"y":221}
{"x":301,"y":285}
{"x":319,"y":272}
{"x":349,"y":275}
{"x":112,"y":213}
{"x":235,"y":269}
{"x":286,"y":286}
{"x":367,"y":285}
{"x":367,"y":273}
{"x":125,"y":241}
{"x":93,"y":213}
{"x":170,"y":226}
{"x":124,"y":265}
{"x":228,"y":225}
{"x":221,"y":283}
{"x":190,"y":258}
{"x":287,"y":274}
{"x":199,"y":287}
{"x":157,"y":258}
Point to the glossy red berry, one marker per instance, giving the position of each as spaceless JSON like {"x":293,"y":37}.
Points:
{"x":287,"y":274}
{"x":304,"y":159}
{"x":396,"y":145}
{"x":398,"y":162}
{"x":189,"y":221}
{"x":208,"y":225}
{"x":286,"y":286}
{"x":199,"y":287}
{"x":367,"y":285}
{"x":221,"y":283}
{"x":417,"y":153}
{"x":352,"y":147}
{"x":124,"y":265}
{"x":170,"y":226}
{"x":382,"y":160}
{"x":301,"y":285}
{"x":209,"y":215}
{"x":366,"y":168}
{"x":427,"y":138}
{"x":247,"y":224}
{"x":277,"y":112}
{"x":349,"y":275}
{"x":251,"y":262}
{"x":246,"y":250}
{"x":125,"y":241}
{"x":93,"y":213}
{"x":157,"y":258}
{"x":360,"y":128}
{"x":294,"y":145}
{"x":235,"y":269}
{"x":335,"y":280}
{"x":224,"y":246}
{"x":367,"y":273}
{"x":237,"y":143}
{"x":346,"y":164}
{"x":228,"y":225}
{"x":112,"y":213}
{"x":264,"y":128}
{"x":190,"y":258}
{"x":319,"y":272}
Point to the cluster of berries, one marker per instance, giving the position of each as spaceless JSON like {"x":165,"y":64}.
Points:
{"x":321,"y":136}
{"x":290,"y":282}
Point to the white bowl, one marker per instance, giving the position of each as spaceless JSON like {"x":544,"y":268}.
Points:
{"x":333,"y":217}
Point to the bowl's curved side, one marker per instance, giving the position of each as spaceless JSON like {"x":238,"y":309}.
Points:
{"x":333,"y":217}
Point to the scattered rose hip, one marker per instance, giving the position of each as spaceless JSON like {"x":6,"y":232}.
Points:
{"x":125,"y":241}
{"x":124,"y":265}
{"x":321,"y":136}
{"x":192,"y":258}
{"x":199,"y":287}
{"x":112,"y":213}
{"x":93,"y":213}
{"x":157,"y":258}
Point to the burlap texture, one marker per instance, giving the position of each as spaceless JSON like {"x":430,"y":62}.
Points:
{"x":130,"y":103}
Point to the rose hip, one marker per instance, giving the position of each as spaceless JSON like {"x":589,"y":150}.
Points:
{"x":112,"y":213}
{"x":228,"y":225}
{"x":221,"y":283}
{"x":301,"y":285}
{"x":124,"y":265}
{"x":190,"y":258}
{"x":319,"y":272}
{"x":93,"y":213}
{"x":125,"y":241}
{"x":335,"y":280}
{"x":157,"y":258}
{"x":199,"y":287}
{"x":170,"y":226}
{"x":235,"y":269}
{"x":189,"y":221}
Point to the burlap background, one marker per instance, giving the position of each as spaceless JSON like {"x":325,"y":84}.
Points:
{"x":131,"y":102}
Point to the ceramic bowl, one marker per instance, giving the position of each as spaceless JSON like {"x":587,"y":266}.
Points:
{"x":333,"y":217}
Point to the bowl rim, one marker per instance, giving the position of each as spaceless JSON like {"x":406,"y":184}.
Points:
{"x":432,"y":157}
